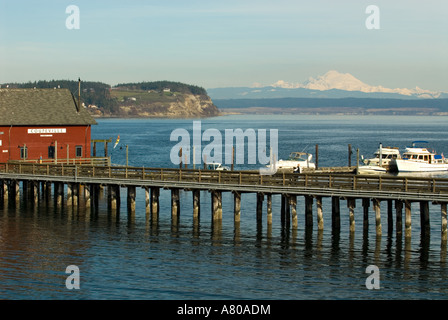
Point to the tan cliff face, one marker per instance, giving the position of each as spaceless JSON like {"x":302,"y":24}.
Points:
{"x":179,"y":105}
{"x":192,"y":106}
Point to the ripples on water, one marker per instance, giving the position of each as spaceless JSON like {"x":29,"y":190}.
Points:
{"x":129,"y":257}
{"x":123,"y":256}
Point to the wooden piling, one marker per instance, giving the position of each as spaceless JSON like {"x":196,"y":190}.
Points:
{"x":308,"y":211}
{"x":398,"y":217}
{"x":444,"y":232}
{"x":351,"y":204}
{"x":269,"y":208}
{"x":424,"y":216}
{"x":114,"y":196}
{"x":17,"y":190}
{"x":155,"y":193}
{"x":35,"y":192}
{"x":75,"y":194}
{"x":283,"y":210}
{"x":335,"y":213}
{"x":175,"y":204}
{"x":377,"y":209}
{"x":320,"y":217}
{"x":293,"y":204}
{"x":260,"y":198}
{"x":69,"y":194}
{"x":236,"y":206}
{"x":131,"y":199}
{"x":216,"y":205}
{"x":59,"y":193}
{"x":196,"y":204}
{"x":408,"y":219}
{"x":147,"y":203}
{"x":365,"y":208}
{"x":390,"y":219}
{"x":5,"y":191}
{"x":88,"y":189}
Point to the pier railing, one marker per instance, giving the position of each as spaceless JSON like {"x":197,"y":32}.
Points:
{"x":379,"y":183}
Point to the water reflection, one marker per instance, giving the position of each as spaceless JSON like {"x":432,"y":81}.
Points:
{"x":38,"y":241}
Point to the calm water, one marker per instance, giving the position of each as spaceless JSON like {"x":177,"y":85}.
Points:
{"x":127,"y":257}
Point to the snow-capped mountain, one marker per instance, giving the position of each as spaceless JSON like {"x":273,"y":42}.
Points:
{"x":332,"y":84}
{"x":347,"y":82}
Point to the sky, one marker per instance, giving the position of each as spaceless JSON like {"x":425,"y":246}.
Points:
{"x":225,"y":43}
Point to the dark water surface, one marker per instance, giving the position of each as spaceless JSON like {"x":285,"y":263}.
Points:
{"x":122,"y":256}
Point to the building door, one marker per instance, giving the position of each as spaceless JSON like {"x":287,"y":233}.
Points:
{"x":51,"y":152}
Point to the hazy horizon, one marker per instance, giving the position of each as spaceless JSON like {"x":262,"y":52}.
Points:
{"x":223,"y":44}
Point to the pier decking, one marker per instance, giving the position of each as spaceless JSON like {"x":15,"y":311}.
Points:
{"x":312,"y":186}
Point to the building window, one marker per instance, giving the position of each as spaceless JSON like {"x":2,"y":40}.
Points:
{"x":24,"y":153}
{"x":78,"y":150}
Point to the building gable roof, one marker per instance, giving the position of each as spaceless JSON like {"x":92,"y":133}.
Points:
{"x":20,"y":107}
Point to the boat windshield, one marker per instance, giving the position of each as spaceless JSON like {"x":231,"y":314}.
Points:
{"x":297,"y":156}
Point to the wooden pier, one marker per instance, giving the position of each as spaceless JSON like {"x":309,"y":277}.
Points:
{"x":371,"y":190}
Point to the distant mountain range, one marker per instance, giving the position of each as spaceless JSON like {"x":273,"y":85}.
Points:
{"x":332,"y":84}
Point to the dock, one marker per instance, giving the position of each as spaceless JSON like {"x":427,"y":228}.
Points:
{"x":370,"y":190}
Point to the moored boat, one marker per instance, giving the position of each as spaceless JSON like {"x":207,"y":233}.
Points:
{"x":418,"y":158}
{"x":296,"y":162}
{"x":382,"y":159}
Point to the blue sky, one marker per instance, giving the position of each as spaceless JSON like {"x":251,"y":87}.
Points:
{"x":225,"y":43}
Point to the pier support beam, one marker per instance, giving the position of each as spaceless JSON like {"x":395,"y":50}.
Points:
{"x":335,"y":213}
{"x":408,"y":219}
{"x":88,"y":190}
{"x":175,"y":205}
{"x":155,"y":193}
{"x":293,"y":205}
{"x":236,"y":206}
{"x":444,"y":231}
{"x":196,"y":204}
{"x":216,"y":205}
{"x":16,"y":185}
{"x":260,"y":198}
{"x":283,"y":210}
{"x":308,"y":211}
{"x":351,"y":204}
{"x":377,"y":209}
{"x":75,"y":194}
{"x":35,"y":186}
{"x":69,"y":194}
{"x":390,"y":217}
{"x":398,"y":217}
{"x":365,"y":208}
{"x":424,"y":216}
{"x":147,"y":203}
{"x":114,"y":196}
{"x":269,"y":208}
{"x":131,"y":199}
{"x":58,"y":193}
{"x":5,"y":190}
{"x":320,"y":216}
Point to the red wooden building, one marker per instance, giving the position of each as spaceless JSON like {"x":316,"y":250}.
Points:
{"x":43,"y":124}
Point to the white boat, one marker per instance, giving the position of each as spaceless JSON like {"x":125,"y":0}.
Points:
{"x":297,"y":161}
{"x":216,"y":166}
{"x":420,"y":159}
{"x":371,"y":169}
{"x":382,"y":158}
